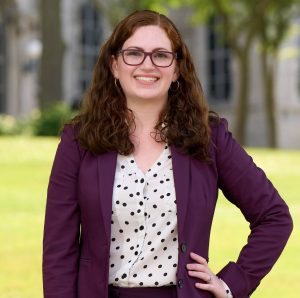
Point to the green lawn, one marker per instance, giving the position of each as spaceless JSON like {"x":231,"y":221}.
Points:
{"x":25,"y":164}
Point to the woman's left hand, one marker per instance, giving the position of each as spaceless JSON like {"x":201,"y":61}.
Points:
{"x":201,"y":270}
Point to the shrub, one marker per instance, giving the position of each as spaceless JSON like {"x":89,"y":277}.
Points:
{"x":9,"y":125}
{"x":49,"y":121}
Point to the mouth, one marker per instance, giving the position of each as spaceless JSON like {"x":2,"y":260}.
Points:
{"x":147,"y":79}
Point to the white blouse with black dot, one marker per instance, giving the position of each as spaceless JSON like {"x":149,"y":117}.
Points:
{"x":144,"y":245}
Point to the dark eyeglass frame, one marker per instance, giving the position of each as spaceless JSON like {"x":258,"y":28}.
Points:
{"x":146,"y":54}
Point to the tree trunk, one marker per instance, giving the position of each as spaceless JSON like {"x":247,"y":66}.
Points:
{"x":269,"y":98}
{"x":51,"y":61}
{"x":243,"y":96}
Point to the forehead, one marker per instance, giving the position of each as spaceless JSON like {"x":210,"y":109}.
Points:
{"x":148,"y":38}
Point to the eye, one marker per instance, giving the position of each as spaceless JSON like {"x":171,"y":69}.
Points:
{"x":161,"y":55}
{"x":133,"y":53}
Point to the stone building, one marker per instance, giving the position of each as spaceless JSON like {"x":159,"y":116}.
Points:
{"x":84,"y":29}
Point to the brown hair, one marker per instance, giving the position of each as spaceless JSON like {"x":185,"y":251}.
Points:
{"x":104,"y":121}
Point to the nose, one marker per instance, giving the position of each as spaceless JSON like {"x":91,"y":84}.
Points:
{"x":148,"y":62}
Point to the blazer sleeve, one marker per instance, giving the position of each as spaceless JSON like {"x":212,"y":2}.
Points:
{"x":247,"y":187}
{"x":62,"y":222}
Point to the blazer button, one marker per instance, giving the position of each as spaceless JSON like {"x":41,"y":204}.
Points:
{"x":183,"y":247}
{"x":180,"y":283}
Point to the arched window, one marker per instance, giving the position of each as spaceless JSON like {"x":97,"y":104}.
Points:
{"x":219,"y":66}
{"x":91,"y":38}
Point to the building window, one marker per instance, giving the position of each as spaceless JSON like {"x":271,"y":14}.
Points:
{"x":91,"y":38}
{"x":2,"y":68}
{"x":219,"y":66}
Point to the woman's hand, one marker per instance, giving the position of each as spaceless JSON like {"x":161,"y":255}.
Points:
{"x":200,"y":270}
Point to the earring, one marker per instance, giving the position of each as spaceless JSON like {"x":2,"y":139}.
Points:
{"x":177,"y":87}
{"x":116,"y":83}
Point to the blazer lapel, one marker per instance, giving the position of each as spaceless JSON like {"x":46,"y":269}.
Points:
{"x":106,"y":175}
{"x":181,"y":172}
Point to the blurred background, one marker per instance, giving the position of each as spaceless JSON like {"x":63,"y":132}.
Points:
{"x":246,"y":53}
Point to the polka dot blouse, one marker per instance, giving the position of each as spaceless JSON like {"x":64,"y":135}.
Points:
{"x":144,"y":245}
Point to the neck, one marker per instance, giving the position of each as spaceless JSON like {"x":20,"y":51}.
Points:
{"x":146,"y":115}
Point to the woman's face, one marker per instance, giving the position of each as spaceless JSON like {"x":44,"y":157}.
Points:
{"x":145,"y":81}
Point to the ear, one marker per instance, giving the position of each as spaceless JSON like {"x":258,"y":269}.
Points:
{"x":114,"y":67}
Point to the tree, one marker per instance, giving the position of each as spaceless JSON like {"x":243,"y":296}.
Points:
{"x":273,"y":29}
{"x":115,"y":10}
{"x":52,"y":55}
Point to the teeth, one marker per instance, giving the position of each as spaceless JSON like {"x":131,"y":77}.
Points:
{"x":147,"y":79}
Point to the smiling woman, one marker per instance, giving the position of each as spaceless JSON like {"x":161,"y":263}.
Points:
{"x":134,"y":184}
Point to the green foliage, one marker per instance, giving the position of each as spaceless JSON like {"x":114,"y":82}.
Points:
{"x":50,"y":120}
{"x":9,"y":125}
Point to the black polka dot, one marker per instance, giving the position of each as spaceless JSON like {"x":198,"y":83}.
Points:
{"x":128,"y":240}
{"x":141,"y":203}
{"x":126,"y":222}
{"x":153,"y":225}
{"x":126,"y":187}
{"x":152,"y":249}
{"x":169,"y":257}
{"x":150,"y":274}
{"x":124,"y":204}
{"x":155,"y":190}
{"x":119,"y":185}
{"x":140,"y":283}
{"x":158,"y":233}
{"x":131,"y":247}
{"x":131,"y":195}
{"x":113,"y":239}
{"x":132,"y":161}
{"x":131,"y":213}
{"x":159,"y":266}
{"x":163,"y":214}
{"x":142,"y":180}
{"x":117,"y":202}
{"x":159,"y":163}
{"x":174,"y":265}
{"x":162,"y":196}
{"x":145,"y":266}
{"x":136,"y":253}
{"x":168,"y":223}
{"x":118,"y":247}
{"x":141,"y":228}
{"x":156,"y":283}
{"x":149,"y":242}
{"x":112,"y":265}
{"x":116,"y":279}
{"x":138,"y":211}
{"x":122,"y":167}
{"x":154,"y":206}
{"x":165,"y":274}
{"x":122,"y":257}
{"x":155,"y":258}
{"x":137,"y":193}
{"x":161,"y":181}
{"x":134,"y":275}
{"x":121,"y":231}
{"x":154,"y":175}
{"x":165,"y":248}
{"x":124,"y":276}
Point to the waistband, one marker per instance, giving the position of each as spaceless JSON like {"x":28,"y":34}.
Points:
{"x":142,"y":292}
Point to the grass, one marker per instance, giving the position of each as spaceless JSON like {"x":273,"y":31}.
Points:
{"x":25,"y":164}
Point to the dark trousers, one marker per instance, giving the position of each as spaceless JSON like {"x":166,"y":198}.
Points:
{"x":153,"y":292}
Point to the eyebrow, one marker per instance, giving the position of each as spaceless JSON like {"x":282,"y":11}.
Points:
{"x":155,"y":49}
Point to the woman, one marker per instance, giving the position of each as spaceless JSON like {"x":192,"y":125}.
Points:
{"x":135,"y":180}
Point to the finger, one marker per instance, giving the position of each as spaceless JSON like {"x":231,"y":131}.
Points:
{"x":198,"y":258}
{"x":202,"y":275}
{"x":205,"y":286}
{"x":197,"y":267}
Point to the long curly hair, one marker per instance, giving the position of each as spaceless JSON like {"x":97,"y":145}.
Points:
{"x":104,"y":121}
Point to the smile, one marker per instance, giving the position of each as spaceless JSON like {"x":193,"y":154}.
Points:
{"x":146,"y":79}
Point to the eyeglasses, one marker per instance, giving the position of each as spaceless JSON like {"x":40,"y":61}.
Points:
{"x":136,"y":57}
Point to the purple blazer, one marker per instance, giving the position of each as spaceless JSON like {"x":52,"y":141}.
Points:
{"x":77,"y":229}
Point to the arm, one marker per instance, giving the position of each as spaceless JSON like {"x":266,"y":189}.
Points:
{"x":246,"y":186}
{"x":62,"y":222}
